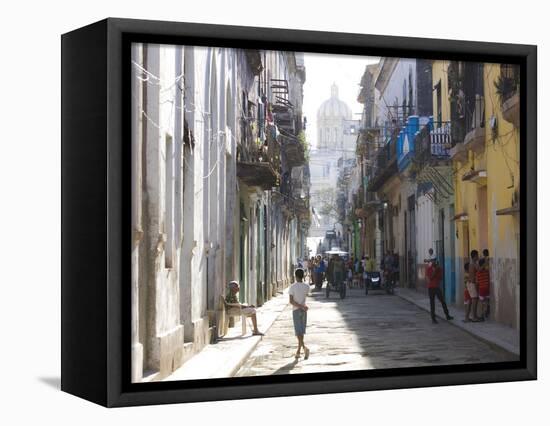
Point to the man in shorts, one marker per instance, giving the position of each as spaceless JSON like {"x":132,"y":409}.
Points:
{"x":297,"y":294}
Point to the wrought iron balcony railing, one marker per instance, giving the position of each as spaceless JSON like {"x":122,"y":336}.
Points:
{"x":260,"y":164}
{"x":433,"y":143}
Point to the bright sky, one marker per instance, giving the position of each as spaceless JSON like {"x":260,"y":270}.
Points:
{"x":321,"y":71}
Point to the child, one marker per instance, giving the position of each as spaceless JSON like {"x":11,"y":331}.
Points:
{"x":467,"y":298}
{"x":483,"y":279}
{"x":297,"y":294}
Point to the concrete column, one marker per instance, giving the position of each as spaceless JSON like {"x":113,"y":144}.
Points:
{"x":152,"y":225}
{"x":188,"y":276}
{"x":137,"y":228}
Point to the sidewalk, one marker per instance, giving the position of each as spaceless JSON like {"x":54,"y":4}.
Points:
{"x":489,"y":331}
{"x":226,"y":357}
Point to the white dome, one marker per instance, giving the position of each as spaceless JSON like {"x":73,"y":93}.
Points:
{"x":334,"y":107}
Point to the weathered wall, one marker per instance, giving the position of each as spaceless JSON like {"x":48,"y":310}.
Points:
{"x":502,"y":158}
{"x":485,"y":229}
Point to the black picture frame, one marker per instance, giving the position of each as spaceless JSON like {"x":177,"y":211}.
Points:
{"x":96,"y":213}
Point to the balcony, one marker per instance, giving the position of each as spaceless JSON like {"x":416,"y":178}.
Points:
{"x":475,"y":140}
{"x":459,"y":152}
{"x":507,"y":87}
{"x":385,"y":164}
{"x":261,"y":166}
{"x":433,"y":144}
{"x":475,"y":125}
{"x":301,"y":208}
{"x":284,"y":118}
{"x":510,"y":110}
{"x":293,"y":150}
{"x":254,"y":59}
{"x":476,"y":176}
{"x":370,"y":205}
{"x":300,"y":181}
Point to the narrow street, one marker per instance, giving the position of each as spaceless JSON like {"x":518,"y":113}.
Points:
{"x":364,"y":332}
{"x":249,"y":170}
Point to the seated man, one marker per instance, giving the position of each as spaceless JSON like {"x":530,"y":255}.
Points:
{"x":246,"y":310}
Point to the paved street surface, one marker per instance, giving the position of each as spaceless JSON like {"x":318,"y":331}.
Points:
{"x":363,"y":332}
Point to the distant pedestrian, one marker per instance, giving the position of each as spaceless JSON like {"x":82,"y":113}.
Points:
{"x":395,"y":268}
{"x":305,"y":267}
{"x":297,"y":294}
{"x":319,"y":271}
{"x":338,"y":271}
{"x":358,"y":273}
{"x":370,"y":265}
{"x":434,"y":274}
{"x":329,"y":271}
{"x":483,"y":282}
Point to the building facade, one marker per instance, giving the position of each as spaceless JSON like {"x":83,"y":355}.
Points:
{"x":438,"y":152}
{"x":484,"y":109}
{"x":215,"y":141}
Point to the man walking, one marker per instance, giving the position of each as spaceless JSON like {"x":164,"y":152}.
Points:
{"x":297,"y":294}
{"x":434,"y":274}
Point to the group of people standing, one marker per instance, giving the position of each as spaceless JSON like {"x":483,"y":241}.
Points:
{"x":477,"y":287}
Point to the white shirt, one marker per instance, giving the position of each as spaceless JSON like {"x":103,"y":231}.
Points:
{"x":299,"y":291}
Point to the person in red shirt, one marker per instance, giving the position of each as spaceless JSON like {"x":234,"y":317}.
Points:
{"x":434,"y":275}
{"x":483,"y":279}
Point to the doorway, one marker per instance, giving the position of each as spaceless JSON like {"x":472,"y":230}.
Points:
{"x":482,"y":218}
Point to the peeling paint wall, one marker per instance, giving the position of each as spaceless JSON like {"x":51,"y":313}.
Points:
{"x":186,"y":217}
{"x":485,"y":229}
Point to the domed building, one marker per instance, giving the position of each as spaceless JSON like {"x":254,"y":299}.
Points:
{"x":336,"y":139}
{"x":332,"y":118}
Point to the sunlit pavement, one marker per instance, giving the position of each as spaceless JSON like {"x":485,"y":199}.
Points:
{"x":364,"y":332}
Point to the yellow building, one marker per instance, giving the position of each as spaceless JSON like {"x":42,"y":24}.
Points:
{"x":482,"y":103}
